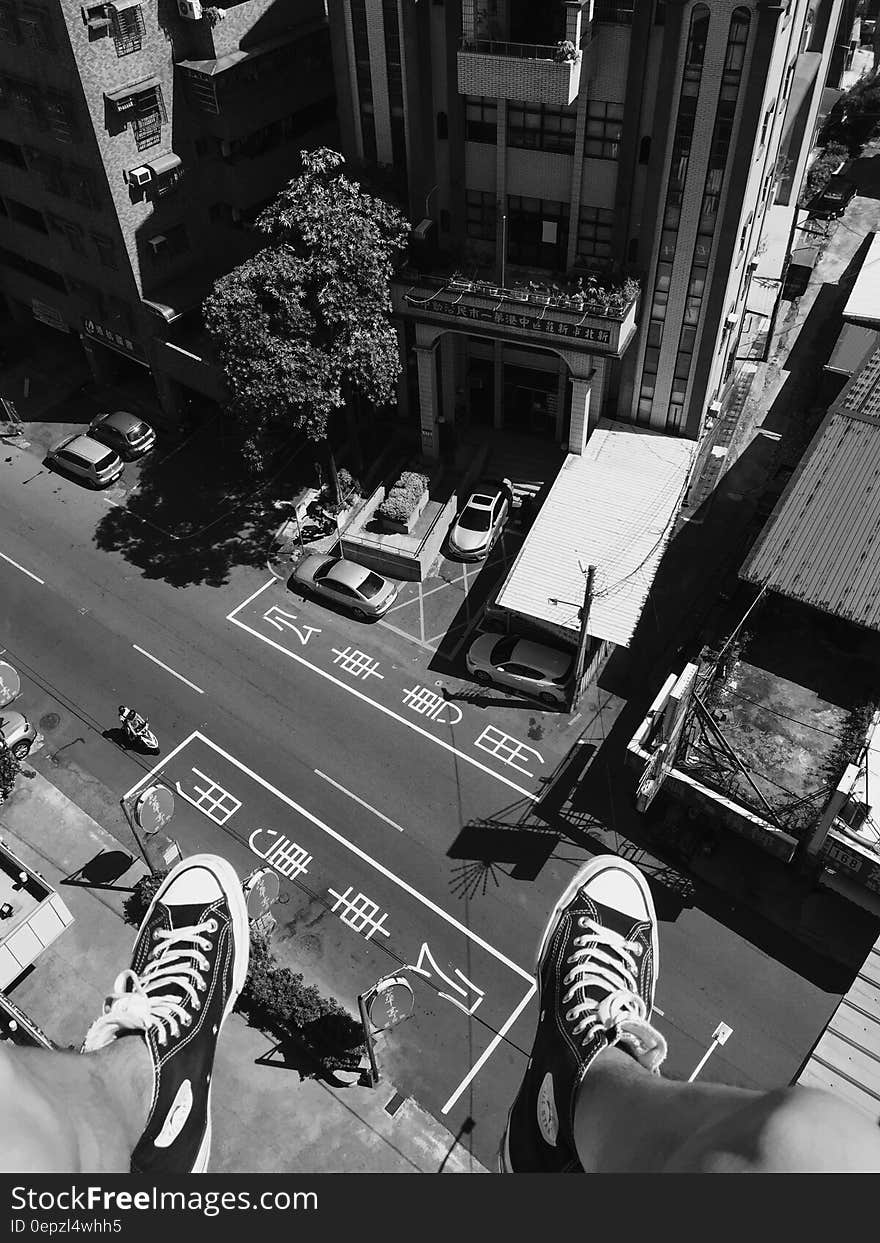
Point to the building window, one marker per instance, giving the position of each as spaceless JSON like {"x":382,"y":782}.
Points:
{"x":594,"y":233}
{"x":394,"y":78}
{"x":604,"y":127}
{"x":25,"y":99}
{"x":147,"y":120}
{"x":645,"y":149}
{"x":541,"y":128}
{"x":480,"y":119}
{"x":81,"y":185}
{"x":11,"y":153}
{"x":36,"y":271}
{"x":27,"y":216}
{"x":61,"y":118}
{"x":737,"y":39}
{"x":201,"y":91}
{"x":537,"y":232}
{"x":106,"y":250}
{"x":363,"y":74}
{"x":162,"y":247}
{"x":615,"y":12}
{"x":70,"y":231}
{"x":480,"y":215}
{"x":442,"y":125}
{"x":35,"y":28}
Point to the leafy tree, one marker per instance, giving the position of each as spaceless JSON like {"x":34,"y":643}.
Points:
{"x":304,"y":325}
{"x":9,"y":767}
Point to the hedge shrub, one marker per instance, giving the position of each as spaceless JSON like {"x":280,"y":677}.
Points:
{"x":403,"y":497}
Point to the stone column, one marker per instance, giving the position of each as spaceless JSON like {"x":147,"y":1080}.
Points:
{"x":428,"y":403}
{"x":579,"y":427}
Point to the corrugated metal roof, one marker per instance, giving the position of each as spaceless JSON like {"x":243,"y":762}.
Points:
{"x":611,"y":507}
{"x":846,"y":1060}
{"x":864,"y":301}
{"x":822,"y":543}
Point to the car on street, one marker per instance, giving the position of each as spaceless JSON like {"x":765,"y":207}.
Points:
{"x":17,"y":732}
{"x":128,"y":434}
{"x":480,"y":522}
{"x":523,"y":665}
{"x":363,"y":592}
{"x":834,"y":199}
{"x":88,"y":459}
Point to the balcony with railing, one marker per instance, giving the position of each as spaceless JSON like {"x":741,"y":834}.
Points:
{"x":579,"y":312}
{"x":496,"y":61}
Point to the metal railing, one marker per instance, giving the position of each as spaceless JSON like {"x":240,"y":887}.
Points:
{"x":519,"y":51}
{"x":558,"y":300}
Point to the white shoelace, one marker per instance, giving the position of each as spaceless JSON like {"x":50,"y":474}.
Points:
{"x":606,"y":960}
{"x":152,"y":1000}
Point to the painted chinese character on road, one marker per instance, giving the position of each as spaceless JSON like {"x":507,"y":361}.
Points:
{"x":216,"y":803}
{"x":281,"y":853}
{"x":358,"y":664}
{"x":428,"y":703}
{"x":359,"y":912}
{"x":425,"y":956}
{"x":281,"y":620}
{"x":507,"y":749}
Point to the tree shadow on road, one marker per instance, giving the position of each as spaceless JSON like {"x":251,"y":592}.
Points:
{"x":196,"y":513}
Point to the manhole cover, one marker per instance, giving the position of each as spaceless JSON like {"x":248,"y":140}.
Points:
{"x":50,"y":721}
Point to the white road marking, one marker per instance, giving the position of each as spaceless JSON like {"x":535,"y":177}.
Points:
{"x":374,"y":703}
{"x":719,"y":1037}
{"x":389,"y":875}
{"x":490,"y":1049}
{"x":23,"y":570}
{"x":355,"y":797}
{"x":423,"y":594}
{"x":337,"y":837}
{"x":167,"y":668}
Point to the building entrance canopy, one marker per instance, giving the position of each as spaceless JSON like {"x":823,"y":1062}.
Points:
{"x":612,"y":507}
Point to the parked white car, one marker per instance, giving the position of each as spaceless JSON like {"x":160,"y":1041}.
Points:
{"x":524,"y":666}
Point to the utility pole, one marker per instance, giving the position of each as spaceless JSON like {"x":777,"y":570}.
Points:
{"x":583,"y":637}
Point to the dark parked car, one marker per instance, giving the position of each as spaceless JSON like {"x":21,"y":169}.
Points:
{"x":129,"y":435}
{"x":834,"y":199}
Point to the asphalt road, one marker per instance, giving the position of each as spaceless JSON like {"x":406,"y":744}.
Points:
{"x":298,"y":737}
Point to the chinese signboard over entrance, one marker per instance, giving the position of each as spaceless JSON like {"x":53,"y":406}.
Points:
{"x":514,"y":319}
{"x":115,"y":340}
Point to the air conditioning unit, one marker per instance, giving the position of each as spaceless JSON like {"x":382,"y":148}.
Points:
{"x":157,"y":242}
{"x":422,"y":231}
{"x":226,"y":148}
{"x":731,"y":320}
{"x":140,"y":176}
{"x":190,"y":9}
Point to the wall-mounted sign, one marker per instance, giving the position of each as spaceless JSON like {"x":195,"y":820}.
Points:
{"x":514,"y":319}
{"x":49,"y":315}
{"x":854,"y":863}
{"x":115,"y":341}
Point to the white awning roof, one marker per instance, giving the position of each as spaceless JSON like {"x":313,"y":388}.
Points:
{"x":775,"y":236}
{"x":762,"y":296}
{"x":864,"y":301}
{"x":611,"y":507}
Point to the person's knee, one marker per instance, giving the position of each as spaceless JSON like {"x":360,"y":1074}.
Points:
{"x":812,"y":1130}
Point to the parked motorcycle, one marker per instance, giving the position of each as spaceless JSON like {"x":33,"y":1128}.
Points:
{"x":137,"y":729}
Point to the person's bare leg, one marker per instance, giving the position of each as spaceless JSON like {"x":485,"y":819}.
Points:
{"x":66,"y":1112}
{"x":627,"y":1120}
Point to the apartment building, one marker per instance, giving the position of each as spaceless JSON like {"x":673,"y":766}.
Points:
{"x":543,"y":146}
{"x":138,"y":141}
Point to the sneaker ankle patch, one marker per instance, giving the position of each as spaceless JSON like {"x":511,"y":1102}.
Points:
{"x":548,"y":1115}
{"x":176,"y":1117}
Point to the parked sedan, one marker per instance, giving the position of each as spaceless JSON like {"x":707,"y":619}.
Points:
{"x":834,"y":199}
{"x":525,"y":666}
{"x":87,"y":459}
{"x":17,"y":732}
{"x":480,"y":522}
{"x":129,"y":435}
{"x":361,"y":591}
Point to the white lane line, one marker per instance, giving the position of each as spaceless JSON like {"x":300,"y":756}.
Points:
{"x":343,"y":841}
{"x":374,"y":703}
{"x":23,"y":570}
{"x":167,"y":668}
{"x":424,"y":595}
{"x":403,"y":633}
{"x":380,"y":814}
{"x":490,"y":1049}
{"x":421,"y":613}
